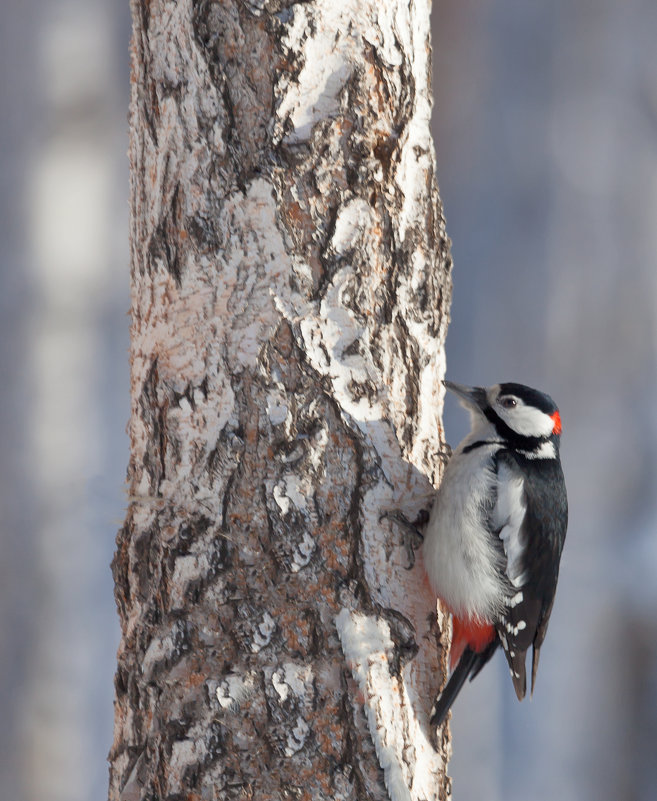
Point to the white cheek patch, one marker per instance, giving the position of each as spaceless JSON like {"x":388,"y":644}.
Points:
{"x":526,"y":420}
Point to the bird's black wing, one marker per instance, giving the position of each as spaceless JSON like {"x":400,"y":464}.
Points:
{"x":533,"y":533}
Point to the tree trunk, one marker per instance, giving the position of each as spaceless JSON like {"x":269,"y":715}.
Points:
{"x":290,"y":298}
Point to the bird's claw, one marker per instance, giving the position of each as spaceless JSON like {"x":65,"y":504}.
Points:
{"x":412,"y":537}
{"x":445,"y":453}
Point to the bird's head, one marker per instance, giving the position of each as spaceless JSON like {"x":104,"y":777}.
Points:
{"x":524,"y":411}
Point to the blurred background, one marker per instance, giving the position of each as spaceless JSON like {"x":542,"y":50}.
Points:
{"x":546,"y":135}
{"x":64,"y":402}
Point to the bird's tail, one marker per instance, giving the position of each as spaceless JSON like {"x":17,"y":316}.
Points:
{"x":470,"y":663}
{"x":444,"y":701}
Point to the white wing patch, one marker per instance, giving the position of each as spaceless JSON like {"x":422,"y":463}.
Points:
{"x":517,"y":599}
{"x":508,"y":517}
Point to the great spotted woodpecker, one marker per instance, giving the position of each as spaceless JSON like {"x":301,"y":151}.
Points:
{"x":493,"y":542}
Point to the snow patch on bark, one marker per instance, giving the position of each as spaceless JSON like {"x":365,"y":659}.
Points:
{"x":257,"y":265}
{"x":297,"y":736}
{"x":277,"y":409}
{"x":184,"y":754}
{"x":234,"y":689}
{"x":263,"y":633}
{"x":352,"y":218}
{"x":303,"y":552}
{"x":159,"y":650}
{"x":292,"y":678}
{"x":292,"y":493}
{"x":314,"y":94}
{"x":186,"y":569}
{"x":408,"y":759}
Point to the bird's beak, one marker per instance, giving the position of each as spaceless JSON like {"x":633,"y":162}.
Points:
{"x":470,"y":397}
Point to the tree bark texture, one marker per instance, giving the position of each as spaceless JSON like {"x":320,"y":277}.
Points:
{"x":290,"y":294}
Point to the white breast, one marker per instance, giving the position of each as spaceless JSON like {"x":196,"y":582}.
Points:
{"x":460,"y":557}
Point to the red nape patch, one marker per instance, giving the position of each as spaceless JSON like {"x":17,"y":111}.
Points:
{"x":557,"y":423}
{"x":469,"y":632}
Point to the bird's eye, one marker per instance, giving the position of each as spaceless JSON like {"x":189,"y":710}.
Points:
{"x":508,"y":403}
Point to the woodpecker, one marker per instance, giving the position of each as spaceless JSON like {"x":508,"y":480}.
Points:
{"x":494,"y":538}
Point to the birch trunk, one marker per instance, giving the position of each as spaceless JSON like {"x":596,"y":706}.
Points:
{"x":290,"y":293}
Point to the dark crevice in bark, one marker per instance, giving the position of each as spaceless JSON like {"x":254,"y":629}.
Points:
{"x":163,"y":245}
{"x":353,"y":753}
{"x":224,"y":32}
{"x":402,"y":633}
{"x":151,"y":412}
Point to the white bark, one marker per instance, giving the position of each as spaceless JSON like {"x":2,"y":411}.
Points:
{"x":290,"y":300}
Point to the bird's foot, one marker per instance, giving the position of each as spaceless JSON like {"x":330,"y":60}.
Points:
{"x":412,"y":537}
